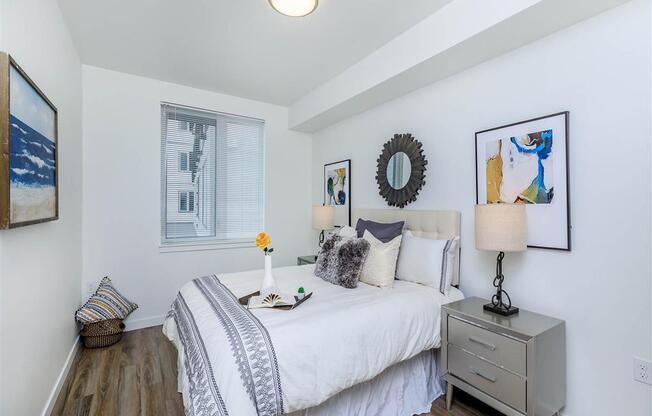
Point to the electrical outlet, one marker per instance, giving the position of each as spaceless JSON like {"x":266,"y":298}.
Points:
{"x":642,"y":370}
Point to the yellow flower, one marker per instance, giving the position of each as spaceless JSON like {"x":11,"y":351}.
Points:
{"x":263,"y":240}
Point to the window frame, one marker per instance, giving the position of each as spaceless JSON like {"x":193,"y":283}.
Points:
{"x":206,"y":243}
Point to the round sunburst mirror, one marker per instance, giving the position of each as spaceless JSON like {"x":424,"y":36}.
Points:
{"x":401,"y":170}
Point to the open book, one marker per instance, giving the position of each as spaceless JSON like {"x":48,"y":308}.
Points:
{"x":272,"y":300}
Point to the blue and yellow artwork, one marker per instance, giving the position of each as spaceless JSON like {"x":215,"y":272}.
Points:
{"x":527,"y":163}
{"x":336,"y":186}
{"x":337,"y":190}
{"x":519,"y":169}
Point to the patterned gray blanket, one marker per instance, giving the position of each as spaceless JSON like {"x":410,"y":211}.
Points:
{"x":239,"y":344}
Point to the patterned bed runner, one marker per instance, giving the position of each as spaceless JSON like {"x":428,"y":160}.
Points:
{"x":249,"y":343}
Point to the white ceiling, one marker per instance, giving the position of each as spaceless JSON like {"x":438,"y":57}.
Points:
{"x":239,"y":47}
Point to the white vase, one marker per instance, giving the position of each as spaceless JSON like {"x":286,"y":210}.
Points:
{"x":269,"y":285}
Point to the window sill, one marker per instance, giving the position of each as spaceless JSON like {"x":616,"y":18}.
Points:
{"x":192,"y":246}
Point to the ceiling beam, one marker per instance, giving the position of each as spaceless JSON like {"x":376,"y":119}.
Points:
{"x":460,"y":35}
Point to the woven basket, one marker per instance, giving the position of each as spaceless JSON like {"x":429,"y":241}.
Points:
{"x":102,"y":334}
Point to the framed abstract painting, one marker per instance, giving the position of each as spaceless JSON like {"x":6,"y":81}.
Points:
{"x":527,"y":163}
{"x":337,"y":190}
{"x":28,"y":145}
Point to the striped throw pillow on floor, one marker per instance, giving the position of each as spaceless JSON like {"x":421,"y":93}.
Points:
{"x":106,"y":303}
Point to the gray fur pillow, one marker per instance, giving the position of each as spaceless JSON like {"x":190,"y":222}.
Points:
{"x":340,"y":261}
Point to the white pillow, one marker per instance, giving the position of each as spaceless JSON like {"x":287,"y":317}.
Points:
{"x":347,"y":232}
{"x":427,"y":261}
{"x":380,"y":267}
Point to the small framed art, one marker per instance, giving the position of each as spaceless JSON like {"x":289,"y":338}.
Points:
{"x":28,"y":146}
{"x":527,"y":163}
{"x":337,"y":190}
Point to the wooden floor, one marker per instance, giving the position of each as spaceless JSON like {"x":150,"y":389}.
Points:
{"x":138,"y":376}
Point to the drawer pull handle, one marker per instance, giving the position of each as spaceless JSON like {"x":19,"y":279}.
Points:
{"x":487,"y":345}
{"x":477,"y":373}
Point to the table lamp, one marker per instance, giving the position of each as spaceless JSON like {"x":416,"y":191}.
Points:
{"x":323,"y":218}
{"x":500,"y":227}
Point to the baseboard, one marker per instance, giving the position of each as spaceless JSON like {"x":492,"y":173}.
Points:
{"x":132,"y":325}
{"x":54,"y":394}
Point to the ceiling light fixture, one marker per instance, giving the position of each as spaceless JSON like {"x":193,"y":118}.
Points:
{"x":294,"y":8}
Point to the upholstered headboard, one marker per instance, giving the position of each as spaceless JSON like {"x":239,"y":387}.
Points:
{"x":440,"y":225}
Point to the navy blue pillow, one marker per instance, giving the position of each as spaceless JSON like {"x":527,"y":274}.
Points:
{"x":383,"y":232}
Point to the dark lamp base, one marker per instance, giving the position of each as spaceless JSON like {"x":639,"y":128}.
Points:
{"x":505,"y":311}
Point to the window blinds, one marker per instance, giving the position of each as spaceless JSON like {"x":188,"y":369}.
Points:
{"x":213,"y":176}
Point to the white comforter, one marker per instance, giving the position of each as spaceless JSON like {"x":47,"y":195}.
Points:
{"x":338,"y":338}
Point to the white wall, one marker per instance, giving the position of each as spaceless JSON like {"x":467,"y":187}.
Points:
{"x":599,"y":70}
{"x":40,"y":265}
{"x":122,"y":190}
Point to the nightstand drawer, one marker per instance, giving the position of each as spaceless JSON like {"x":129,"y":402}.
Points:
{"x":496,"y":348}
{"x":502,"y":385}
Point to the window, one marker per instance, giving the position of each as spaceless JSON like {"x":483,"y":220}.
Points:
{"x":212,"y":169}
{"x":186,"y":201}
{"x":184,"y":161}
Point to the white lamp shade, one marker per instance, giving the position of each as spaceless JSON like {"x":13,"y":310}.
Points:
{"x":294,"y":8}
{"x":500,"y":227}
{"x":323,"y":217}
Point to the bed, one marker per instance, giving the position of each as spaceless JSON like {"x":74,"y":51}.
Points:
{"x":363,"y":351}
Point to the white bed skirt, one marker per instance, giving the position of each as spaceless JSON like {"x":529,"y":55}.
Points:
{"x":407,"y":388}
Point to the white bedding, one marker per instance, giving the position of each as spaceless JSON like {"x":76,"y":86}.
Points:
{"x":335,"y":340}
{"x":406,"y":388}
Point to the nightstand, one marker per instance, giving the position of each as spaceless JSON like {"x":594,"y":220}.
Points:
{"x":515,"y":364}
{"x":301,"y":260}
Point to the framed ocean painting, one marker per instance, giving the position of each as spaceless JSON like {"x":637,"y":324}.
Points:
{"x":337,"y":190}
{"x":28,"y":144}
{"x":527,"y":163}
